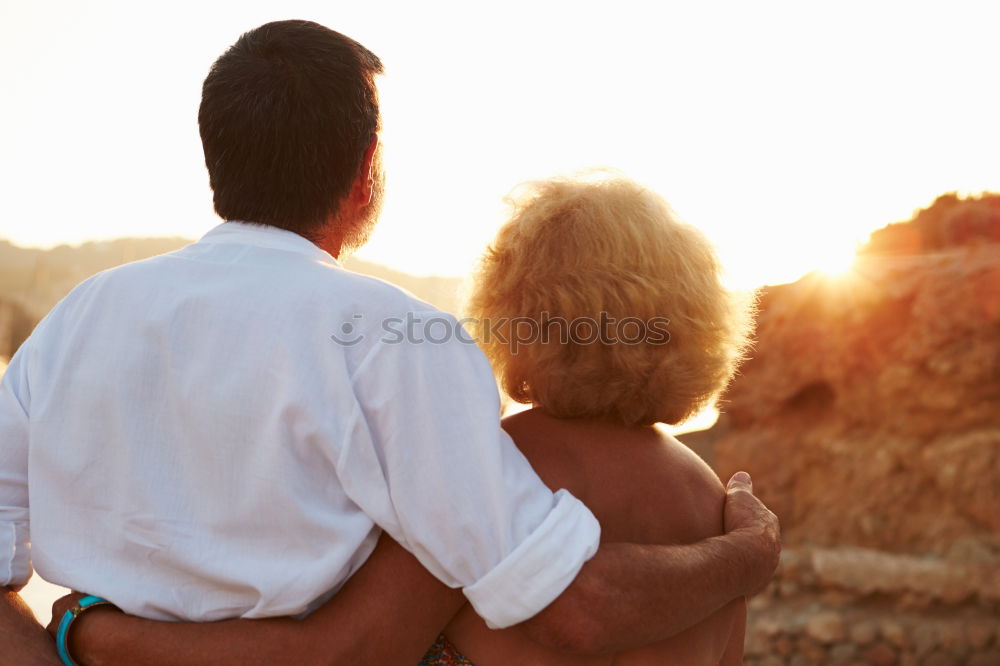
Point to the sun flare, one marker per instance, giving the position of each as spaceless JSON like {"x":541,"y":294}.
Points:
{"x":837,"y":263}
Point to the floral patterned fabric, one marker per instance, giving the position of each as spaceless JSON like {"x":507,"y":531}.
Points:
{"x":443,"y":653}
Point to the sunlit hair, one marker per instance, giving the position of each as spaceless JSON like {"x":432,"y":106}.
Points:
{"x":576,"y":247}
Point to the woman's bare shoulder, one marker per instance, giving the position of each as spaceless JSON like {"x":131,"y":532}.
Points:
{"x":641,"y":483}
{"x":679,"y":498}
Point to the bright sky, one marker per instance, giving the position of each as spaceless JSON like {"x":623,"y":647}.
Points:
{"x":785,"y":130}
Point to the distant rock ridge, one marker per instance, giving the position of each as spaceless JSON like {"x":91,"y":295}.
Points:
{"x":951,"y":221}
{"x":869,"y":414}
{"x":15,"y":326}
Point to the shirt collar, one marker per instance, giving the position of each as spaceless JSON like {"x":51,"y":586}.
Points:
{"x":264,"y":235}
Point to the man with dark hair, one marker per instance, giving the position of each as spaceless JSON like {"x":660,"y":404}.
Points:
{"x":288,"y":115}
{"x":225,"y":432}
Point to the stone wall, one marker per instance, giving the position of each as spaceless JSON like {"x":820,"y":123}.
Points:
{"x":857,"y":606}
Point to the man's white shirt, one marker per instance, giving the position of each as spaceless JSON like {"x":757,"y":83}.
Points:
{"x":224,"y":430}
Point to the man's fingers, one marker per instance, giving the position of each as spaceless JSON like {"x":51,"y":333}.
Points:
{"x":59,"y":608}
{"x":740,"y":481}
{"x":758,"y":526}
{"x":743,"y":508}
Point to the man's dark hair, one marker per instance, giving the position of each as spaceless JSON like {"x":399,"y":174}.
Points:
{"x":286,"y":115}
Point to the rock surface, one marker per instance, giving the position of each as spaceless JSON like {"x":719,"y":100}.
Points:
{"x":869,"y":414}
{"x":869,"y":417}
{"x":848,"y":605}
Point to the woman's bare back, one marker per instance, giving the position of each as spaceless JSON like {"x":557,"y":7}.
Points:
{"x":644,"y":487}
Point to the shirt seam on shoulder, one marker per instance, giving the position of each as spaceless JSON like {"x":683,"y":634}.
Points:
{"x":345,"y":441}
{"x":365,"y":361}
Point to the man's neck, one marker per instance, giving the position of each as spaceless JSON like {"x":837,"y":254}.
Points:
{"x":333,"y":244}
{"x":331,"y":237}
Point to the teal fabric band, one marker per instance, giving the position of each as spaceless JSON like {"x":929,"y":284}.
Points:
{"x":62,"y":634}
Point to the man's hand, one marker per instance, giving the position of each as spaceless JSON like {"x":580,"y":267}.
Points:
{"x":747,"y":517}
{"x":631,"y":595}
{"x":59,"y":608}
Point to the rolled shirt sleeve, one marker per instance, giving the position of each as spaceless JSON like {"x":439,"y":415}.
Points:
{"x":424,"y":456}
{"x":15,"y":558}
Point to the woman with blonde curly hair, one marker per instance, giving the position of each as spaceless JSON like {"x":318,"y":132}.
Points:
{"x":602,"y":311}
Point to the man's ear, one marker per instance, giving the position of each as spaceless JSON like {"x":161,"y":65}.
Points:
{"x":366,"y":179}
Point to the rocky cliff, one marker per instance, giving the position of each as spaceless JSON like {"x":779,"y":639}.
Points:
{"x":870,"y":411}
{"x":869,"y":417}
